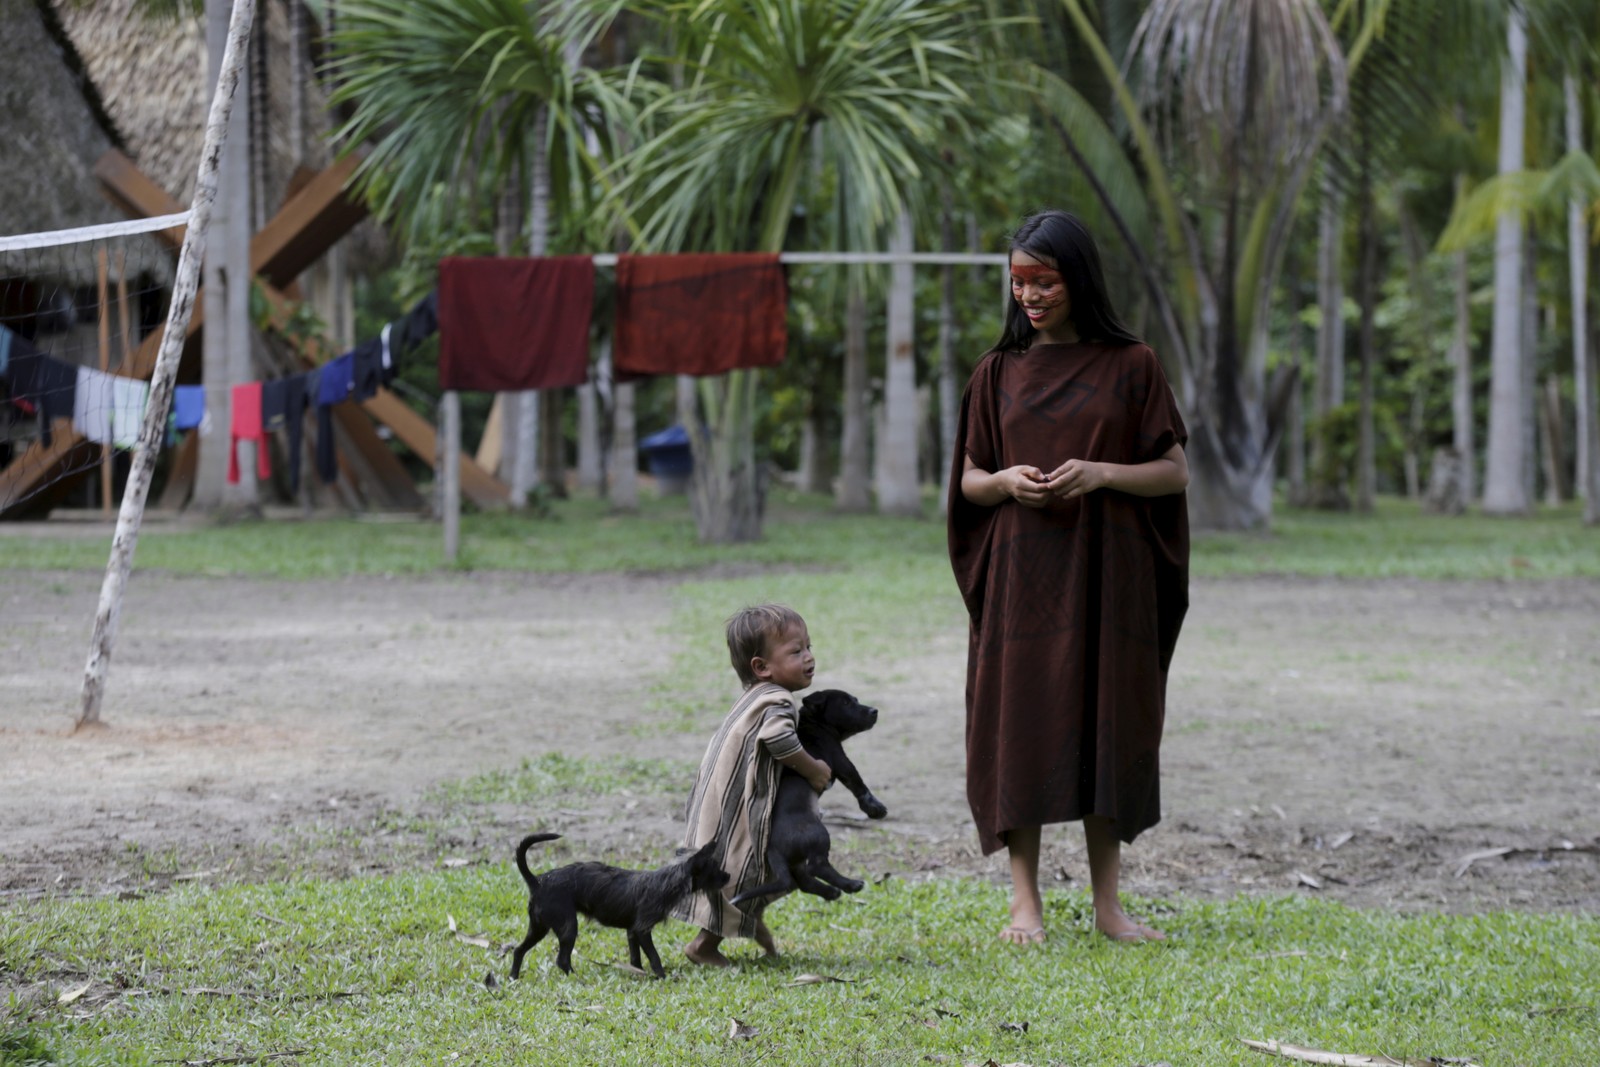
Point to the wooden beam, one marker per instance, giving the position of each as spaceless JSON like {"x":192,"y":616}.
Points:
{"x":417,"y":433}
{"x":307,"y":225}
{"x":128,"y":187}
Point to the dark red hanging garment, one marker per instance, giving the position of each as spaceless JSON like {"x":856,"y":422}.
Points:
{"x":511,"y":324}
{"x":699,"y":314}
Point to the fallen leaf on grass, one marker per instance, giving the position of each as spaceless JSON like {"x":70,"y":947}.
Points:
{"x":479,"y":940}
{"x":73,"y":994}
{"x":454,"y":861}
{"x":740,"y":1030}
{"x":817,"y":979}
{"x":1016,"y":1028}
{"x":628,"y":967}
{"x":1346,"y":1059}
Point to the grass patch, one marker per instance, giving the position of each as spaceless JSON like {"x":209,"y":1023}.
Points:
{"x":583,"y":535}
{"x":368,"y":971}
{"x":555,"y":775}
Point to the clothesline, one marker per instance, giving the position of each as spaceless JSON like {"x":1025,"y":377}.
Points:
{"x":954,"y":259}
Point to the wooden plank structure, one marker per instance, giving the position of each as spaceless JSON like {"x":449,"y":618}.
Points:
{"x":316,"y":215}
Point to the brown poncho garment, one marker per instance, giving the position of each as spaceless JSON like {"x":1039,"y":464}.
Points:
{"x":1075,"y":607}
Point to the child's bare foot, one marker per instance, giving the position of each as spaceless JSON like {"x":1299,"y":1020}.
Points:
{"x":764,"y":939}
{"x":1117,"y":926}
{"x":702,"y":949}
{"x":1023,"y":935}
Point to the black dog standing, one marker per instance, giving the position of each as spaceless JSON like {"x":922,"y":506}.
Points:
{"x":634,"y":901}
{"x":797,"y":850}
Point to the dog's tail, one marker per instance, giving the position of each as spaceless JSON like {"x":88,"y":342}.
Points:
{"x":522,"y":856}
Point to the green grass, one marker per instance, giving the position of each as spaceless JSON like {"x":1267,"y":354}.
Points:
{"x":368,"y":971}
{"x":582,"y":535}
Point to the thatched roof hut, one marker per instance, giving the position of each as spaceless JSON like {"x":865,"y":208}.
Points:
{"x":54,"y":128}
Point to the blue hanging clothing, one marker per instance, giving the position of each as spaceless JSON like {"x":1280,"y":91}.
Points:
{"x":338,"y":379}
{"x":188,"y":406}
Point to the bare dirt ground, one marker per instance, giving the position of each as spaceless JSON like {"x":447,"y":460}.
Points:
{"x":1357,"y":740}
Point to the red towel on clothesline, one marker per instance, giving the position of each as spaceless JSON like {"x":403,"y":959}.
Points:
{"x":245,"y":425}
{"x":699,"y":314}
{"x":514,"y":323}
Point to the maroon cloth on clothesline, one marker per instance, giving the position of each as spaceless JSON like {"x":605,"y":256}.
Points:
{"x":699,"y":314}
{"x":507,"y":324}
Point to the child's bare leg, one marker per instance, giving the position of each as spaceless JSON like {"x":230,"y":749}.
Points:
{"x":1027,"y":907}
{"x":702,"y":949}
{"x":764,"y":939}
{"x":1105,"y":871}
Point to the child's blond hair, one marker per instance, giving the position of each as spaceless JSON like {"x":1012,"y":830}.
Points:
{"x":751,"y":631}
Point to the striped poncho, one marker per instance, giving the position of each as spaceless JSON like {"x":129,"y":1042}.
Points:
{"x":731,"y":803}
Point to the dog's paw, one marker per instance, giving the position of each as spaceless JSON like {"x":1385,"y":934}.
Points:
{"x":873,"y":806}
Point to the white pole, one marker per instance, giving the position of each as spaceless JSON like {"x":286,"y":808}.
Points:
{"x":145,"y":452}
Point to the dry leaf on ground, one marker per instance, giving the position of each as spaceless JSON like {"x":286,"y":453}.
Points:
{"x":1346,"y":1059}
{"x":740,"y":1030}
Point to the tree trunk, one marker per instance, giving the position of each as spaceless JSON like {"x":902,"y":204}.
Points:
{"x":1504,"y":489}
{"x":590,"y":467}
{"x":552,"y":447}
{"x":1578,"y":271}
{"x":1551,"y":431}
{"x":1461,"y":406}
{"x":1366,"y":450}
{"x":726,"y":490}
{"x":529,"y":413}
{"x":1323,"y":491}
{"x":853,"y":438}
{"x":812,"y":477}
{"x":1295,"y":445}
{"x":210,"y":485}
{"x":899,"y":493}
{"x":1530,"y":365}
{"x":623,"y":481}
{"x":949,"y":387}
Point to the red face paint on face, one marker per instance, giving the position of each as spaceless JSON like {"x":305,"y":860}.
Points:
{"x":1038,"y":274}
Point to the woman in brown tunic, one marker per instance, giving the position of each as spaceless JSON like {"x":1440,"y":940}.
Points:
{"x":1069,"y":539}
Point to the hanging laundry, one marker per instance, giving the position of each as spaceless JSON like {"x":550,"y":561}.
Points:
{"x":245,"y":425}
{"x":699,"y":314}
{"x":128,"y":399}
{"x":333,"y":387}
{"x":91,"y":405}
{"x":188,"y":406}
{"x":5,"y":348}
{"x":510,"y":324}
{"x":41,"y":385}
{"x":283,"y":407}
{"x":419,"y":324}
{"x":367,"y":370}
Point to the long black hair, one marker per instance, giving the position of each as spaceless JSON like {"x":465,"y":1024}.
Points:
{"x":1061,"y":238}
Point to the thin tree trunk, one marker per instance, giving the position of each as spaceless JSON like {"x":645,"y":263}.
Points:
{"x":1329,"y":392}
{"x":853,"y":439}
{"x":1504,"y":489}
{"x":164,"y":375}
{"x":1295,"y":438}
{"x":525,"y":458}
{"x":506,"y":410}
{"x":899,"y":493}
{"x":1461,"y":406}
{"x":297,"y":80}
{"x":1555,"y":445}
{"x":1578,"y":272}
{"x":949,"y":388}
{"x":1530,"y":366}
{"x":1366,"y":447}
{"x":589,"y":465}
{"x":622,"y":484}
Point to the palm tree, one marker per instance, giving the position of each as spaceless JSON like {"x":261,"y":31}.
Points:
{"x":1505,"y":491}
{"x":1264,"y":79}
{"x":776,"y":89}
{"x":467,"y":97}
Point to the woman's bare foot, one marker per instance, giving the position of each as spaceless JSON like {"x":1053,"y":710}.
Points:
{"x":1027,"y":920}
{"x":702,"y":949}
{"x":764,"y":939}
{"x":1023,"y":935}
{"x":1117,"y":926}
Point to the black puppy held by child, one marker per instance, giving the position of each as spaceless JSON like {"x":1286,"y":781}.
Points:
{"x":634,"y":901}
{"x":797,"y":850}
